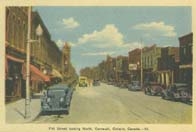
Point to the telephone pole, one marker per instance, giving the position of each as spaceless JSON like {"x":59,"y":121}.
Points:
{"x":141,"y":65}
{"x":27,"y":100}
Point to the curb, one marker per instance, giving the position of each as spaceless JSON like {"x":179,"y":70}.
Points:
{"x":34,"y":118}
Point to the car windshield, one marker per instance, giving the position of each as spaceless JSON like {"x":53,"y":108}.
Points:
{"x":56,"y":92}
{"x":182,"y":87}
{"x":135,"y":83}
{"x":82,"y":80}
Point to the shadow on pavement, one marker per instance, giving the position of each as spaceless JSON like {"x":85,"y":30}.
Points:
{"x":19,"y":112}
{"x":35,"y":96}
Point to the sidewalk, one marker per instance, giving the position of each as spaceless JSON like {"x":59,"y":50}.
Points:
{"x":15,"y":111}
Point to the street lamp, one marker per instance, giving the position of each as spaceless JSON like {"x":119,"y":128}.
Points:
{"x":39,"y":31}
{"x":29,"y":41}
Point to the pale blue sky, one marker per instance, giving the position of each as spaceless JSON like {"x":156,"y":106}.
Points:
{"x":94,"y":32}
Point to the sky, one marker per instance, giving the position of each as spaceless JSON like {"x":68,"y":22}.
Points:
{"x":94,"y":32}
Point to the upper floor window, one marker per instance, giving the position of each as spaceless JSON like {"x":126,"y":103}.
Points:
{"x":184,"y":50}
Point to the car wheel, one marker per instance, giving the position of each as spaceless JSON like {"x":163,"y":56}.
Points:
{"x":163,"y":96}
{"x":67,"y":112}
{"x":151,"y":92}
{"x":43,"y":113}
{"x":145,"y":91}
{"x":184,"y":100}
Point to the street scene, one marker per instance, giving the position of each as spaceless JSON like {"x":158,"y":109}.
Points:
{"x":110,"y":104}
{"x":124,"y":65}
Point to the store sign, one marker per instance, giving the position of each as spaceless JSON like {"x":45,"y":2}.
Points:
{"x":132,"y":66}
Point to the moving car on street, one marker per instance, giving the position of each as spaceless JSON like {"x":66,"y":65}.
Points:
{"x":83,"y":82}
{"x":153,"y":88}
{"x":134,"y":86}
{"x":57,"y":98}
{"x":178,"y":92}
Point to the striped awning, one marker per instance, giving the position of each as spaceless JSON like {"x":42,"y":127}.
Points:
{"x":35,"y":74}
{"x":9,"y":57}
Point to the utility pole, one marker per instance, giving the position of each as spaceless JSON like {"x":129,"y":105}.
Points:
{"x":27,"y":100}
{"x":141,"y":66}
{"x":28,"y":52}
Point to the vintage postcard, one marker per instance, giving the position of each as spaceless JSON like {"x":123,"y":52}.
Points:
{"x":97,"y":66}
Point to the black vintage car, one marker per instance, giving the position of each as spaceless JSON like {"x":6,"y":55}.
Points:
{"x":57,"y":99}
{"x":96,"y":82}
{"x":177,"y":92}
{"x":153,"y":88}
{"x":134,"y":86}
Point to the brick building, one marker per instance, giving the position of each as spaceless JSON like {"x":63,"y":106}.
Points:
{"x":186,"y":58}
{"x":134,"y":62}
{"x":110,"y":68}
{"x":16,"y":19}
{"x":121,"y":68}
{"x":168,"y":66}
{"x":150,"y":57}
{"x":43,"y":65}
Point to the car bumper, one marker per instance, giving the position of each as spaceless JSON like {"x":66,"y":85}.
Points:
{"x":48,"y":109}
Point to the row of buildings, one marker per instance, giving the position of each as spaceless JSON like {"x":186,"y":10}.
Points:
{"x":164,"y":65}
{"x":48,"y":63}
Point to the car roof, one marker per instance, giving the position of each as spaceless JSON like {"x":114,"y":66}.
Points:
{"x":58,"y":87}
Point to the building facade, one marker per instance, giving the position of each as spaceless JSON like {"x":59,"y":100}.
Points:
{"x":16,"y":19}
{"x":45,"y":56}
{"x":186,"y":58}
{"x":168,"y":66}
{"x":134,"y":64}
{"x":121,"y":68}
{"x":150,"y":57}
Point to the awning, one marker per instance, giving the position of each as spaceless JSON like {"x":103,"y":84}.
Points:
{"x":35,"y":74}
{"x":14,"y":59}
{"x":56,"y":73}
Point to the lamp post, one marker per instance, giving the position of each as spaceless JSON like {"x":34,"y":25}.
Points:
{"x":39,"y":33}
{"x":29,"y":41}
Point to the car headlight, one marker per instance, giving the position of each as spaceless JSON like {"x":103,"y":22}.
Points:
{"x":61,"y":99}
{"x":48,"y":100}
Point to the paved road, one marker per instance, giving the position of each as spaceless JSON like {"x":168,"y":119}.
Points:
{"x":109,"y":104}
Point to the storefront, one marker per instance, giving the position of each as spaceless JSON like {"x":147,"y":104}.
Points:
{"x":186,"y":73}
{"x":165,"y":77}
{"x":13,"y":82}
{"x":38,"y":80}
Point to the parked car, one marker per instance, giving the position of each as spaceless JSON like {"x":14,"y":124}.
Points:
{"x":124,"y":84}
{"x":153,"y":88}
{"x":96,"y":83}
{"x":57,"y":98}
{"x":116,"y":83}
{"x":110,"y":83}
{"x":178,"y":92}
{"x":134,"y":86}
